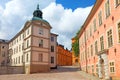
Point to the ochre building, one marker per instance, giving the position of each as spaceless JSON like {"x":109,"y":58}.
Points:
{"x":75,"y":59}
{"x":99,"y":40}
{"x":64,"y":56}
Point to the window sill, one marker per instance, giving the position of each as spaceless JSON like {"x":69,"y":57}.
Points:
{"x":117,"y":5}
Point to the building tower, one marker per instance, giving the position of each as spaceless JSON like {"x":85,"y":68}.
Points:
{"x":31,"y":46}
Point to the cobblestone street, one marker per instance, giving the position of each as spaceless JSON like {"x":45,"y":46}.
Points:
{"x":62,"y":73}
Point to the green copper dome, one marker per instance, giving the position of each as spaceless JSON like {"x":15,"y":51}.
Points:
{"x":37,"y":13}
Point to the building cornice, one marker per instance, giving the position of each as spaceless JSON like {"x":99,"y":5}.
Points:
{"x":90,"y":16}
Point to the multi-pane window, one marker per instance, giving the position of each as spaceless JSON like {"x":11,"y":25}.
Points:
{"x":100,"y":18}
{"x":91,"y":50}
{"x":52,"y":39}
{"x":110,"y":41}
{"x":112,"y":67}
{"x":102,"y":43}
{"x":40,"y":58}
{"x":41,"y":31}
{"x":94,"y":24}
{"x":107,"y":8}
{"x":52,"y":48}
{"x":41,"y":43}
{"x":117,"y":3}
{"x":96,"y":47}
{"x":119,"y":32}
{"x":52,"y":59}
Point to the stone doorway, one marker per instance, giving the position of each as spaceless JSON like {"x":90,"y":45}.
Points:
{"x":102,"y":68}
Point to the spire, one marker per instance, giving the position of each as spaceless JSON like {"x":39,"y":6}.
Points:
{"x":38,"y":7}
{"x":37,"y":12}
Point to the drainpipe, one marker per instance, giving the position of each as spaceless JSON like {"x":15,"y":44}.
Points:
{"x":85,"y":50}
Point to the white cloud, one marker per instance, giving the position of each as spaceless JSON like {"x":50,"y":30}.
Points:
{"x":65,"y":22}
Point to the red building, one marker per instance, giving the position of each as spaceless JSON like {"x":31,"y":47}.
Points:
{"x":99,"y":40}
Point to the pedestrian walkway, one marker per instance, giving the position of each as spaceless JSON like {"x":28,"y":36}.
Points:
{"x":88,"y":76}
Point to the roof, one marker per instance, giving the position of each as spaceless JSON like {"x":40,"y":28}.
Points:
{"x":37,"y":18}
{"x":4,"y":41}
{"x":92,"y":13}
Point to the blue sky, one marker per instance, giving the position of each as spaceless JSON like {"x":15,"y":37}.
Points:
{"x":76,"y":3}
{"x":65,"y":16}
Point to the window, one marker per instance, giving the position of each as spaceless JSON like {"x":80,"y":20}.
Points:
{"x":19,"y":60}
{"x":19,"y":48}
{"x":27,"y":43}
{"x":88,"y":52}
{"x":3,"y":54}
{"x":22,"y":59}
{"x":97,"y":69}
{"x":41,"y":31}
{"x":96,"y":47}
{"x":52,"y":39}
{"x":90,"y":30}
{"x":40,"y":58}
{"x":110,"y":41}
{"x":52,"y":48}
{"x":22,"y":46}
{"x":102,"y":43}
{"x":94,"y":24}
{"x":3,"y":47}
{"x":27,"y":57}
{"x":119,"y":32}
{"x":107,"y":8}
{"x":28,"y":31}
{"x":100,"y":18}
{"x":117,"y":3}
{"x":52,"y":59}
{"x":91,"y":50}
{"x":92,"y":68}
{"x":112,"y":67}
{"x":41,"y":43}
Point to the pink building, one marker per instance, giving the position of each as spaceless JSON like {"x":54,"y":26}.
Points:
{"x":99,"y":40}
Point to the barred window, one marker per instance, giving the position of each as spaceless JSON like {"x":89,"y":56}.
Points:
{"x":110,"y":41}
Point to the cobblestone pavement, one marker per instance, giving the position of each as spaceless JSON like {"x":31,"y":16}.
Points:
{"x":62,"y":73}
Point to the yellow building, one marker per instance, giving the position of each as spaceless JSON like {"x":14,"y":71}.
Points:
{"x":75,"y":60}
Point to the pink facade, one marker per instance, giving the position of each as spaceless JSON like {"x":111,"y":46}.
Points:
{"x":99,"y":40}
